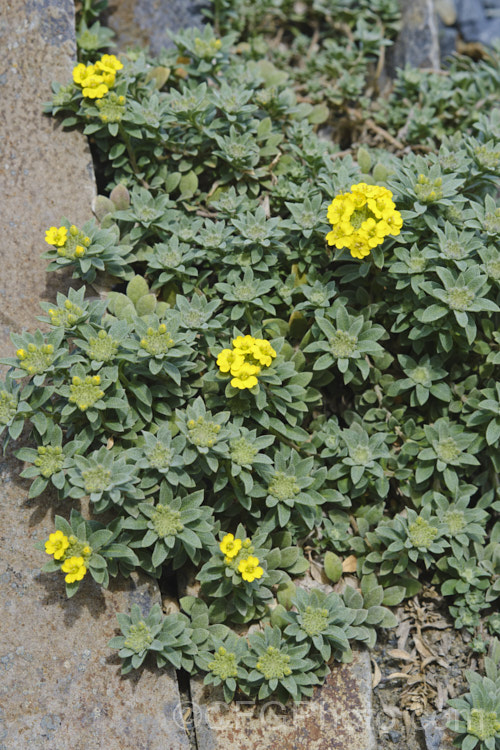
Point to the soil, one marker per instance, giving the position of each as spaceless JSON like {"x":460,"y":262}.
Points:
{"x":417,"y":668}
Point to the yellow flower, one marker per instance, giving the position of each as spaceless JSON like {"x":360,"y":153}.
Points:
{"x":79,"y":73}
{"x":358,"y":247}
{"x":341,"y":208}
{"x":362,"y":219}
{"x":75,"y":568}
{"x":395,"y":222}
{"x":246,"y":377}
{"x":56,"y":237}
{"x":230,"y":546}
{"x":244,"y":344}
{"x":93,"y":87}
{"x":56,"y":545}
{"x":96,"y":80}
{"x":109,"y":63}
{"x":229,"y":359}
{"x":250,"y":569}
{"x":263,"y":352}
{"x":108,"y":78}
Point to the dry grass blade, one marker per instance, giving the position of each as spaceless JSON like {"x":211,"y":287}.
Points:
{"x":377,"y":674}
{"x":398,"y":653}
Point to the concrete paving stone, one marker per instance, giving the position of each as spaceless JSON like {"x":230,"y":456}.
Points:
{"x":337,"y":717}
{"x":45,"y":173}
{"x":145,"y":22}
{"x":417,"y":43}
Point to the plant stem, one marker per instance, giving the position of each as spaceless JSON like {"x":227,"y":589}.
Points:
{"x":131,"y":154}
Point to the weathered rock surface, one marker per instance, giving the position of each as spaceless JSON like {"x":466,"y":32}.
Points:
{"x":478,"y":20}
{"x":436,"y":734}
{"x":145,"y":22}
{"x":45,"y":173}
{"x":60,"y":687}
{"x":338,"y":717}
{"x":417,"y":43}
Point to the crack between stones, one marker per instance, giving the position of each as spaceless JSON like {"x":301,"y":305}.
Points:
{"x":184,"y":686}
{"x":169,"y":585}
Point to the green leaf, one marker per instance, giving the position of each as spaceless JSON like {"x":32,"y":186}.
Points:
{"x":137,"y":288}
{"x":432,"y":313}
{"x":37,"y":487}
{"x":469,"y":742}
{"x":333,"y":566}
{"x":300,"y":567}
{"x":319,"y":114}
{"x":146,"y":304}
{"x":288,"y":557}
{"x":389,"y":620}
{"x":364,"y":160}
{"x":188,"y":185}
{"x":393,"y":595}
{"x":493,"y":432}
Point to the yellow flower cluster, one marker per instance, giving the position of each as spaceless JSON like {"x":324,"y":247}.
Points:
{"x":245,"y":360}
{"x":72,"y":245}
{"x":96,"y":80}
{"x":73,"y":565}
{"x":248,"y":567}
{"x":362,"y":219}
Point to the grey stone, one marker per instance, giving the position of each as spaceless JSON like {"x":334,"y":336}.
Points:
{"x":492,"y":8}
{"x":395,"y":736}
{"x":417,"y":43}
{"x":437,"y":736}
{"x":337,"y":717}
{"x":476,"y":23}
{"x":447,"y":40}
{"x":45,"y":173}
{"x":60,"y":687}
{"x":146,"y":22}
{"x":446,"y":11}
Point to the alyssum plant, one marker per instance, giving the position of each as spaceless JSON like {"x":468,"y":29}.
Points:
{"x":295,"y":356}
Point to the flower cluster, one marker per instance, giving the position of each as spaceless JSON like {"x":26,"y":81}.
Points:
{"x":69,"y":245}
{"x":362,"y":219}
{"x":36,"y":359}
{"x":248,"y":566}
{"x":96,"y":80}
{"x":245,"y":360}
{"x":85,"y":393}
{"x":71,"y":552}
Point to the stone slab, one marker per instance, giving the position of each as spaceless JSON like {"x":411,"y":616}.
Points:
{"x":45,"y":173}
{"x":145,"y":22}
{"x":60,"y":685}
{"x":417,"y":43}
{"x":337,"y":717}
